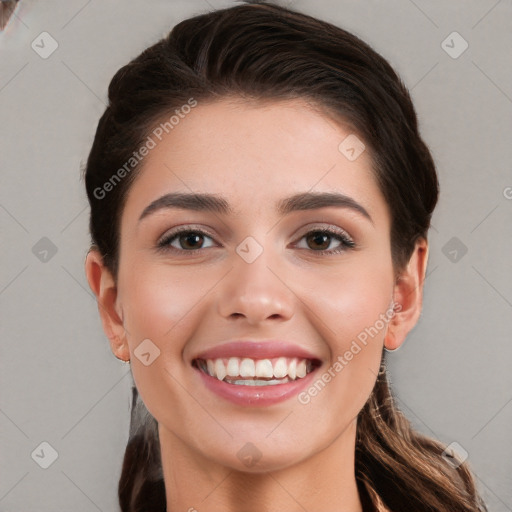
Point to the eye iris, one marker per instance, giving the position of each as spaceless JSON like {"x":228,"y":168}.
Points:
{"x":320,"y":238}
{"x":190,"y":237}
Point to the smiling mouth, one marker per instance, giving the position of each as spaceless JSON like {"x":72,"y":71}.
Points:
{"x":257,"y":372}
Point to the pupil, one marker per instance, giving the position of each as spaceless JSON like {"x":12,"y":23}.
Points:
{"x":192,"y":238}
{"x":317,"y":238}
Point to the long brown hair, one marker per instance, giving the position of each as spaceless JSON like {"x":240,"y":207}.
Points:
{"x":264,"y":51}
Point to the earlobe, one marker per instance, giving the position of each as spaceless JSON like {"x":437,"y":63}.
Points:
{"x":408,"y":297}
{"x":102,"y":283}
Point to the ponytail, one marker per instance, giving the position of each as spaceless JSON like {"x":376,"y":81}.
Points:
{"x":141,"y":485}
{"x":403,"y":469}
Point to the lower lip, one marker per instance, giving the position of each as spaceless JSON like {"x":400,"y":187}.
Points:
{"x":256,"y":395}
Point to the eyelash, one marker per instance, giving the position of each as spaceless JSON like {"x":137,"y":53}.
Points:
{"x":338,"y":234}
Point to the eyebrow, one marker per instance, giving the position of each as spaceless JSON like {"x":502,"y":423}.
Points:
{"x":217,"y":204}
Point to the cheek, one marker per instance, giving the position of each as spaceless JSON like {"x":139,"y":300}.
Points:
{"x":156,"y":301}
{"x":353,"y":306}
{"x":162,"y":305}
{"x":352,"y":300}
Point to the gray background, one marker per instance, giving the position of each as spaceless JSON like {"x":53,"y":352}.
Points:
{"x":59,"y":381}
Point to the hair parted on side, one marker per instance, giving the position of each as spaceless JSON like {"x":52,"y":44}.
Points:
{"x":263,"y":51}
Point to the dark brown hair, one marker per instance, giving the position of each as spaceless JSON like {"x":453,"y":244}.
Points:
{"x":266,"y":52}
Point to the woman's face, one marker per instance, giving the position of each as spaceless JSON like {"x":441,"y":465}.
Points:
{"x":252,"y":278}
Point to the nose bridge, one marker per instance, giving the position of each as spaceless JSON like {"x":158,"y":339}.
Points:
{"x":254,"y":289}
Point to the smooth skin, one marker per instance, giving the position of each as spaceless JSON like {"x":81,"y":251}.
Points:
{"x":188,"y":298}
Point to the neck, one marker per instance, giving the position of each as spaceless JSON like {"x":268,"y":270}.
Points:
{"x":325,"y":481}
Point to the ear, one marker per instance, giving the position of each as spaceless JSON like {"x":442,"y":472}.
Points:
{"x":102,"y":283}
{"x":408,"y":297}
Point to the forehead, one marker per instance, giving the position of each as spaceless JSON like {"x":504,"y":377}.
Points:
{"x":256,"y":153}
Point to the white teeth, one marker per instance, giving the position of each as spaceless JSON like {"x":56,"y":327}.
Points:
{"x":247,"y":368}
{"x":280,"y":368}
{"x":220,"y":369}
{"x":264,"y":369}
{"x":292,"y":369}
{"x":259,"y":372}
{"x":233,"y":367}
{"x":301,"y":368}
{"x":256,"y":382}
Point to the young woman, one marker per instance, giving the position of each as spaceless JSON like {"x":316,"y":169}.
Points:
{"x":260,"y":200}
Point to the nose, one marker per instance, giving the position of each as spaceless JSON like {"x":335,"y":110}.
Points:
{"x":257,"y":292}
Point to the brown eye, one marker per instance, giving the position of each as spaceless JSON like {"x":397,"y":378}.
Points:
{"x":319,"y":239}
{"x":184,"y":240}
{"x":191,"y":240}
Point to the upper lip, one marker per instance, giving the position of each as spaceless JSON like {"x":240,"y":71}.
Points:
{"x":256,"y":350}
